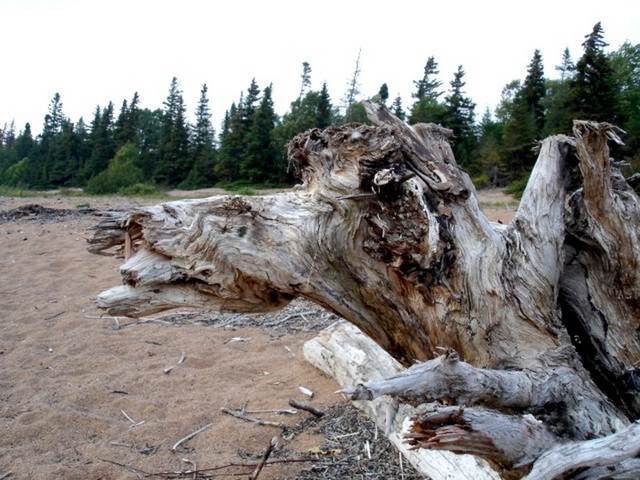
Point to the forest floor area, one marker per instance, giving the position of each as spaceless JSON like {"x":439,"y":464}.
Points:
{"x":84,"y":395}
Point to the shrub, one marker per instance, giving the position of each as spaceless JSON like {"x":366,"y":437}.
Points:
{"x":516,"y":188}
{"x":122,"y":172}
{"x":140,"y":190}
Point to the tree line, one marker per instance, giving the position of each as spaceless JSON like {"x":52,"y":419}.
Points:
{"x":140,"y":149}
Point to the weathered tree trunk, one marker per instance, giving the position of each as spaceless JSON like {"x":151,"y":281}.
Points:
{"x":539,"y":317}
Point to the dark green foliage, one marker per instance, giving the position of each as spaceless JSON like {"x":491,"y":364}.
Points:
{"x":306,"y":78}
{"x":127,"y":128}
{"x":533,"y":90}
{"x":203,"y":148}
{"x":383,"y":93}
{"x":353,"y":90}
{"x":121,"y":173}
{"x":356,"y":114}
{"x":489,"y":167}
{"x":231,"y":145}
{"x":251,"y":148}
{"x":626,"y":67}
{"x":593,"y":88}
{"x":524,"y":120}
{"x":397,"y":109}
{"x":427,"y":108}
{"x":566,"y":67}
{"x":258,"y":162}
{"x":458,"y":115}
{"x":150,"y":136}
{"x":173,"y":163}
{"x":101,"y":139}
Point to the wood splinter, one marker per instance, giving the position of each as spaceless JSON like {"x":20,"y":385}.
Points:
{"x":190,"y":436}
{"x":242,"y":416}
{"x":273,"y":444}
{"x":306,"y":407}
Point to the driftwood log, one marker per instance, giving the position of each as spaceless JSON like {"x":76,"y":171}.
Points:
{"x":526,"y":334}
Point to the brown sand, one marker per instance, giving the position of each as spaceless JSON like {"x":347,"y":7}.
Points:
{"x":73,"y":384}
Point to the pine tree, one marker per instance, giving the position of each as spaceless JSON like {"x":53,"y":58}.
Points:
{"x":306,"y":78}
{"x":48,"y":158}
{"x":258,"y":162}
{"x":427,"y":108}
{"x":25,"y":144}
{"x":383,"y":94}
{"x":593,"y":89}
{"x":325,"y":112}
{"x":353,"y":90}
{"x":459,"y":117}
{"x":489,"y":163}
{"x":533,"y":90}
{"x":397,"y":109}
{"x":174,"y":162}
{"x":203,"y":149}
{"x":126,"y":127}
{"x":231,"y":144}
{"x":102,"y":142}
{"x":556,"y":103}
{"x":626,"y":66}
{"x":150,"y":123}
{"x":566,"y":67}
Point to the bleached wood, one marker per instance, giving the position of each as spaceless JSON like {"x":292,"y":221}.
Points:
{"x":386,"y":231}
{"x":609,"y":450}
{"x":350,"y":357}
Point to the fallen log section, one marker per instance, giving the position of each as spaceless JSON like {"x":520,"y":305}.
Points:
{"x":526,"y":336}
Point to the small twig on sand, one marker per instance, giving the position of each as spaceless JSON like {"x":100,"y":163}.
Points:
{"x":306,"y":407}
{"x":49,"y":318}
{"x":133,"y":422}
{"x":183,"y":356}
{"x":118,"y":444}
{"x":5,"y":475}
{"x":277,"y":411}
{"x":190,"y":436}
{"x":137,"y":471}
{"x":194,"y":466}
{"x":273,"y":444}
{"x":246,"y":418}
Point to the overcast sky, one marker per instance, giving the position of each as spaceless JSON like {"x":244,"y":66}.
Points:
{"x":96,"y":51}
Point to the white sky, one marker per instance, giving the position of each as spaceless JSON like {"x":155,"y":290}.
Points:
{"x":96,"y":51}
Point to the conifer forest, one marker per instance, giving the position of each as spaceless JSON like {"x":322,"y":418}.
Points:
{"x":130,"y":149}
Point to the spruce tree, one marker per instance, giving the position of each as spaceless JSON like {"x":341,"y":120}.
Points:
{"x":489,"y":163}
{"x":48,"y":157}
{"x":25,"y":144}
{"x":324,"y":108}
{"x":353,"y":90}
{"x":458,"y":115}
{"x":126,"y":128}
{"x":231,"y":144}
{"x":427,"y":108}
{"x":397,"y":109}
{"x":203,"y":149}
{"x":306,"y":78}
{"x":556,"y":103}
{"x":102,"y":142}
{"x":566,"y":67}
{"x":626,"y":66}
{"x":533,"y":90}
{"x":174,"y":162}
{"x":593,"y":88}
{"x":383,"y":94}
{"x":258,"y":163}
{"x":150,"y":123}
